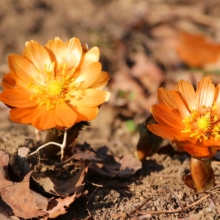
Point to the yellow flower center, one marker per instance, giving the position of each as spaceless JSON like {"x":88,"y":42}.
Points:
{"x":54,"y":88}
{"x":203,"y":124}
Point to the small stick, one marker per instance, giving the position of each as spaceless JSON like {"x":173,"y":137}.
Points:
{"x":177,"y":198}
{"x":175,"y":210}
{"x":138,"y":207}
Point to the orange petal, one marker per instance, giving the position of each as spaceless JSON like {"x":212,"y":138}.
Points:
{"x":85,"y":113}
{"x":91,"y":56}
{"x":101,"y":81}
{"x":188,"y":93}
{"x":197,"y":151}
{"x":211,"y":142}
{"x":37,"y":54}
{"x":23,"y":116}
{"x":69,"y":52}
{"x":44,"y":119}
{"x":11,"y":81}
{"x":162,"y":131}
{"x":217,"y":100}
{"x":65,"y":116}
{"x":165,"y":116}
{"x":17,"y":98}
{"x":172,"y":99}
{"x":205,"y":93}
{"x":89,"y":97}
{"x":24,"y":69}
{"x":185,"y":138}
{"x":89,"y":75}
{"x":8,"y":81}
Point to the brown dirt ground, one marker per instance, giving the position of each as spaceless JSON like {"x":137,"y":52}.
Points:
{"x":116,"y":26}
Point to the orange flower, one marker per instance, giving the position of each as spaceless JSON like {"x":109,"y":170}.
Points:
{"x":54,"y":86}
{"x":189,"y":118}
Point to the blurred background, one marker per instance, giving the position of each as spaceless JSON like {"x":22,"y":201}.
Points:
{"x":145,"y":44}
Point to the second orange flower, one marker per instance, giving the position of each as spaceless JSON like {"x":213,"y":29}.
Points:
{"x":189,"y":118}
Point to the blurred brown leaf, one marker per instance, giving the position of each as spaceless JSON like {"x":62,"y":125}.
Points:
{"x":197,"y":50}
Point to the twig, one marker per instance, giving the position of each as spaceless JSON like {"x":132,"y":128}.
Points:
{"x":94,"y":184}
{"x":177,"y":198}
{"x":175,"y":210}
{"x":92,"y":195}
{"x":126,"y":214}
{"x":138,"y":207}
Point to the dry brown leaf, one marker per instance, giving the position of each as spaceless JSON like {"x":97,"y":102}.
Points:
{"x":197,"y":50}
{"x":84,"y":153}
{"x":45,"y":182}
{"x":65,"y":187}
{"x":23,"y":201}
{"x":98,"y":168}
{"x":129,"y":166}
{"x":124,"y":166}
{"x":58,"y":206}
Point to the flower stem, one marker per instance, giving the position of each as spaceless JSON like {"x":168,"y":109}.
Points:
{"x":202,"y":176}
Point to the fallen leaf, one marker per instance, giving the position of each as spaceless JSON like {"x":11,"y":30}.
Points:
{"x":123,"y":167}
{"x":59,"y":206}
{"x":65,"y":187}
{"x":129,"y":166}
{"x":83,"y":152}
{"x":98,"y":168}
{"x":18,"y":196}
{"x":197,"y":50}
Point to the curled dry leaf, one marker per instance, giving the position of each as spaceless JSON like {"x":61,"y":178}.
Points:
{"x":23,"y":201}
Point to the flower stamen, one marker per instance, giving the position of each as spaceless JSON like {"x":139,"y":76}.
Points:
{"x":203,"y":124}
